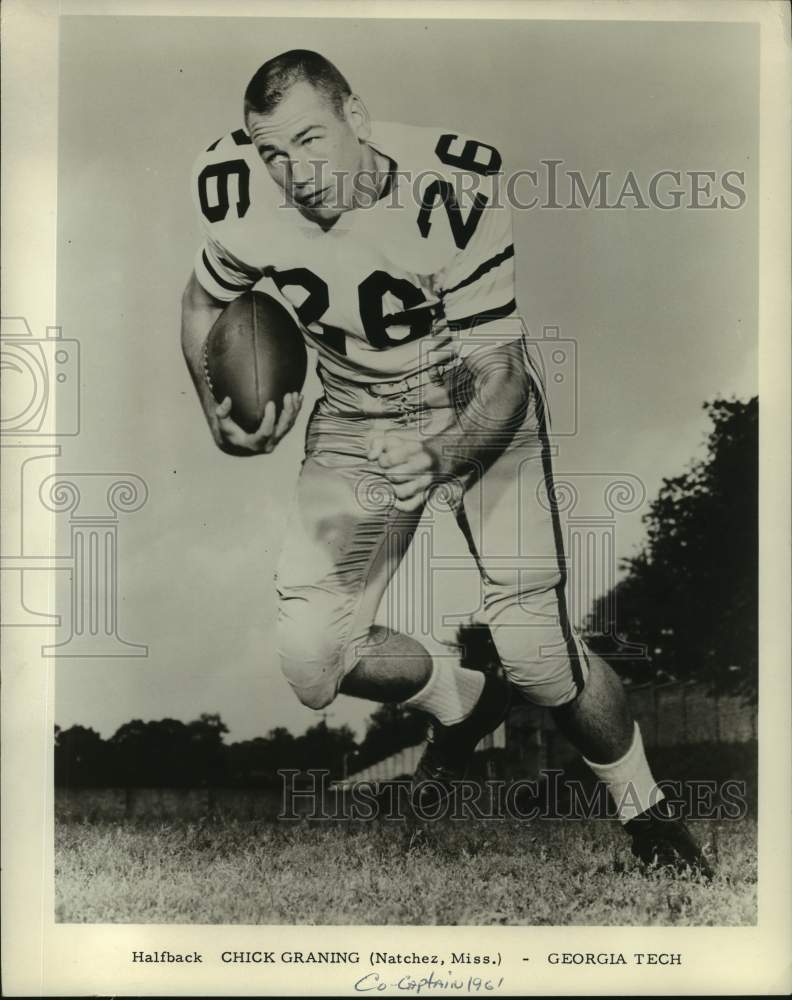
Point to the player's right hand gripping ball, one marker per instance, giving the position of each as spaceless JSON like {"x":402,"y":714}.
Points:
{"x":254,"y":353}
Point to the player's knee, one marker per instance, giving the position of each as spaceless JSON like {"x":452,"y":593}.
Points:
{"x":314,"y":681}
{"x":310,"y":655}
{"x":316,"y":697}
{"x":552,"y":691}
{"x":547,"y":674}
{"x":541,"y":655}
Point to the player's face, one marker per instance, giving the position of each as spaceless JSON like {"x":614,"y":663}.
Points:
{"x":311,"y":153}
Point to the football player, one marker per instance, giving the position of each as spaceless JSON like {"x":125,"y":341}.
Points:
{"x":393,"y":247}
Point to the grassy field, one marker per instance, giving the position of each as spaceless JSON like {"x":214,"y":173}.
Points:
{"x":476,"y":873}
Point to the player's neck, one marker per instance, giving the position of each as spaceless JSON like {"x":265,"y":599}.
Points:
{"x":372,"y":178}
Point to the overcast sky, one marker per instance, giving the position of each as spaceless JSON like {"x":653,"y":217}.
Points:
{"x":661,"y":304}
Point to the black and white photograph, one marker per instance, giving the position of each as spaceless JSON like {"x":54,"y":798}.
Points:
{"x":383,"y":531}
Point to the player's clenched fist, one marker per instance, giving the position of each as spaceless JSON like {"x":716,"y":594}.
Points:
{"x":410,"y":464}
{"x":233,"y":440}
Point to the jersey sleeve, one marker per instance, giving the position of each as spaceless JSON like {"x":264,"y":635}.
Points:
{"x":477,"y":287}
{"x":219,"y":264}
{"x":221,"y":274}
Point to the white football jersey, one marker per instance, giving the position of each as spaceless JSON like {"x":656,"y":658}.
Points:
{"x":436,"y":249}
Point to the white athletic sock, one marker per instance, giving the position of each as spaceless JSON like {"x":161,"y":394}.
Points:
{"x":629,"y":780}
{"x":450,"y":694}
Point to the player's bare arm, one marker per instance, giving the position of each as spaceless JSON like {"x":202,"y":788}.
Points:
{"x":199,"y":312}
{"x":498,"y":387}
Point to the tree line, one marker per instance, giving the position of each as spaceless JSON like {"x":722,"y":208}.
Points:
{"x":690,"y":597}
{"x":168,"y":753}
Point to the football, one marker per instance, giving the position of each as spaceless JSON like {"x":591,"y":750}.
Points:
{"x":254,"y":353}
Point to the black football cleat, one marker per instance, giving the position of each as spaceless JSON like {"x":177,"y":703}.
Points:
{"x":663,"y":842}
{"x":449,"y":749}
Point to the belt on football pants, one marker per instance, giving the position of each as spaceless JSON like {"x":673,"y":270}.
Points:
{"x":432,"y":375}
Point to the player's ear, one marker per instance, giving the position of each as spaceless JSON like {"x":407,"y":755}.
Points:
{"x":357,"y":116}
